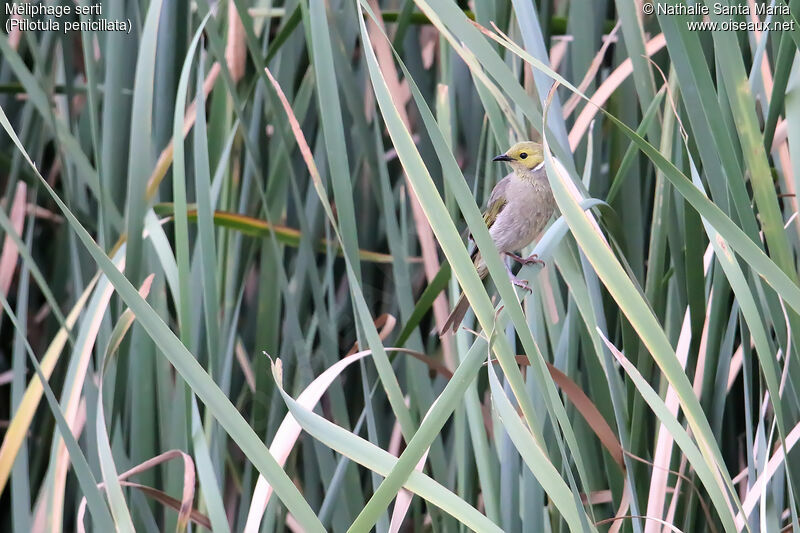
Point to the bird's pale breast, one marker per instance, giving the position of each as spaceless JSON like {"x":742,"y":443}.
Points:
{"x":530,"y":205}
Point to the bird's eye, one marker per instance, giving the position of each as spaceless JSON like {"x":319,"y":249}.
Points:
{"x":523,"y":155}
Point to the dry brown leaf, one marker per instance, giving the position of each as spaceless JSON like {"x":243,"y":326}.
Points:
{"x":184,"y":507}
{"x":385,"y":324}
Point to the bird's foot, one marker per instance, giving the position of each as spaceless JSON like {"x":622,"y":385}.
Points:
{"x":532,"y":259}
{"x":521,"y":283}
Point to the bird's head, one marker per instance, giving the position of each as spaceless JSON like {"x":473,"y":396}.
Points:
{"x":523,"y":156}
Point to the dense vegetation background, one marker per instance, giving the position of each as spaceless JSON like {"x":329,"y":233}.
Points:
{"x":231,"y":235}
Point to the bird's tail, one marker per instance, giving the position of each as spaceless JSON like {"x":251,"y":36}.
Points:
{"x":455,"y":318}
{"x":457,"y":315}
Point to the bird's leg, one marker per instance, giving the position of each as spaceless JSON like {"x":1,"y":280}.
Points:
{"x":532,"y":259}
{"x":521,"y":283}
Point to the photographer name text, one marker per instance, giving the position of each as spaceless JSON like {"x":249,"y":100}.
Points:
{"x":719,"y":8}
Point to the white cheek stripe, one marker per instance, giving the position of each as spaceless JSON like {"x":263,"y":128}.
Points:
{"x":539,"y":166}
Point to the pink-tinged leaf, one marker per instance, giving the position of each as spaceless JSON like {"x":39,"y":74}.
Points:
{"x":72,"y":395}
{"x":664,"y":445}
{"x":168,"y":153}
{"x":604,"y":92}
{"x":736,"y":367}
{"x":624,"y":504}
{"x":236,"y":48}
{"x":20,"y":423}
{"x":754,"y":493}
{"x":8,"y":259}
{"x":289,"y":430}
{"x":597,"y":62}
{"x":660,"y":476}
{"x":558,"y":50}
{"x":404,"y":497}
{"x":781,"y":133}
{"x":287,"y":435}
{"x":403,"y":502}
{"x":427,"y":242}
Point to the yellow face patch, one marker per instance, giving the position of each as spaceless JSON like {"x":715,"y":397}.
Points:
{"x":523,"y":156}
{"x":527,"y":154}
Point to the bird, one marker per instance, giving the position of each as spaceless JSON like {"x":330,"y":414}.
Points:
{"x":519,"y":208}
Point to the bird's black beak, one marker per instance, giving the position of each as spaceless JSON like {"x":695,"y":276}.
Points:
{"x":502,"y":157}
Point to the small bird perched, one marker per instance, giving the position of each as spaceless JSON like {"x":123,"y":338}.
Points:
{"x":519,"y":207}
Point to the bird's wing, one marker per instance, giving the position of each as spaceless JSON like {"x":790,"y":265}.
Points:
{"x":492,"y":210}
{"x":497,"y":201}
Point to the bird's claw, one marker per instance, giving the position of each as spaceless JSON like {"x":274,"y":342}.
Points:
{"x":522,"y":284}
{"x":532,"y":259}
